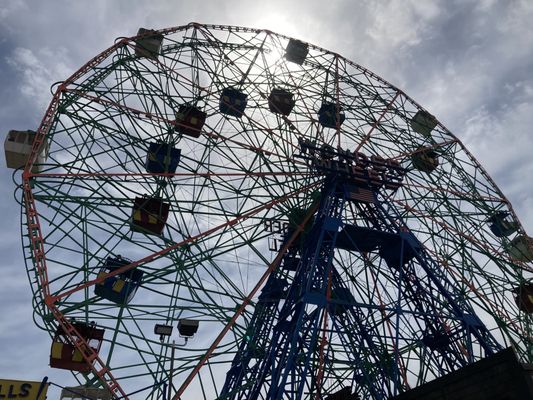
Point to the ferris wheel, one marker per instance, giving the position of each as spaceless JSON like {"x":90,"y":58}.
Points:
{"x":232,"y":213}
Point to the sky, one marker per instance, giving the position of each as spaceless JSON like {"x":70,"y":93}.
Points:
{"x":468,"y":62}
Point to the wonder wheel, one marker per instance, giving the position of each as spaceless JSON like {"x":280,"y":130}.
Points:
{"x":223,"y":212}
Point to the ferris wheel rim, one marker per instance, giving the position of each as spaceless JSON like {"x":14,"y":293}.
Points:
{"x":31,"y":209}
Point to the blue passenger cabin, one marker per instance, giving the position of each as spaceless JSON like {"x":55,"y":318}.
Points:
{"x":65,"y":355}
{"x":501,"y":225}
{"x":327,"y":115}
{"x":425,"y":159}
{"x":296,"y":51}
{"x":423,"y":123}
{"x":120,"y":288}
{"x":149,"y":215}
{"x":281,"y":101}
{"x":400,"y":249}
{"x":148,"y":43}
{"x":162,"y":158}
{"x":190,"y":120}
{"x":233,"y":102}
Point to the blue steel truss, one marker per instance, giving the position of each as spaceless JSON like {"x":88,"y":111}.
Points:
{"x":307,"y":323}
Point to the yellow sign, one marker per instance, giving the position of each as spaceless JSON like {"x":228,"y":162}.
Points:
{"x":10,"y":389}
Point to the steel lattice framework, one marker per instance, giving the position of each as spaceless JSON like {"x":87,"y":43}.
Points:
{"x":265,"y":242}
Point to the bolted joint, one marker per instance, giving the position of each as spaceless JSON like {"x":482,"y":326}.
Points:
{"x":50,"y":301}
{"x":27,"y":175}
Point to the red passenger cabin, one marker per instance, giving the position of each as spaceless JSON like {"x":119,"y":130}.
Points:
{"x":281,"y":101}
{"x":330,"y":116}
{"x":524,"y":297}
{"x":149,"y":215}
{"x":190,"y":120}
{"x":65,"y":355}
{"x":425,"y":159}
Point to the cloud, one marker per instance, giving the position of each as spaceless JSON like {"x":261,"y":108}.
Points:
{"x":37,"y":70}
{"x":401,"y":24}
{"x":468,"y":61}
{"x":498,"y":139}
{"x":10,"y":7}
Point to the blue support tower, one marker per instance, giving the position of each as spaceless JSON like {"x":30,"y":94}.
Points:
{"x":311,"y":337}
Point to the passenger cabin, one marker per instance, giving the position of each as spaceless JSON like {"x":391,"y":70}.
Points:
{"x":521,"y":248}
{"x":17,"y":147}
{"x":327,"y":115}
{"x":425,"y":159}
{"x":423,"y":123}
{"x":281,"y":101}
{"x":162,"y":158}
{"x":399,"y":250}
{"x":524,"y":297}
{"x":290,"y":261}
{"x":233,"y":102}
{"x":85,"y":392}
{"x":501,"y":225}
{"x":149,"y":215}
{"x":190,"y":120}
{"x":187,"y":328}
{"x":437,"y":340}
{"x":65,"y":355}
{"x":148,"y":43}
{"x":362,"y":239}
{"x":296,"y":218}
{"x":396,"y":249}
{"x":120,"y":288}
{"x":343,"y":394}
{"x":274,"y":290}
{"x":342,"y":298}
{"x":296,"y":51}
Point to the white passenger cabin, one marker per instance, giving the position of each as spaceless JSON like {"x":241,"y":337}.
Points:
{"x":521,"y":248}
{"x":83,"y":392}
{"x":148,"y":44}
{"x":18,"y":145}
